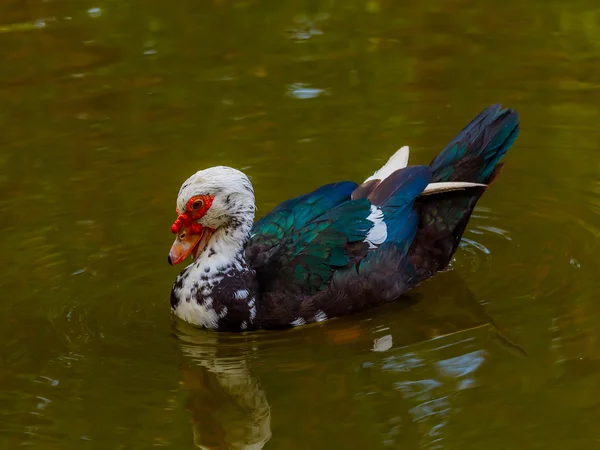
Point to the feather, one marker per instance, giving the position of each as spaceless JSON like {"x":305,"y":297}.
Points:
{"x":437,"y":188}
{"x":365,"y":189}
{"x":296,"y":212}
{"x":292,"y":215}
{"x":473,"y":154}
{"x":443,"y":218}
{"x":397,"y":161}
{"x":407,"y":183}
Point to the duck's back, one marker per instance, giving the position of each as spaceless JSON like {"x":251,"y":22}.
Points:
{"x":344,"y":248}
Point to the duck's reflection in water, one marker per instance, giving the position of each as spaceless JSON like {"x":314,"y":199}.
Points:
{"x":431,"y":344}
{"x":228,"y":406}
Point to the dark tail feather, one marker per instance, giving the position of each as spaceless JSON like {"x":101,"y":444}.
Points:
{"x":473,"y":154}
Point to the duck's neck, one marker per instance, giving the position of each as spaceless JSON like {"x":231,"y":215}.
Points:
{"x":203,"y":293}
{"x":225,"y":248}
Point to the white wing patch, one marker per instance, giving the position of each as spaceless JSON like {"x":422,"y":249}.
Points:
{"x":299,"y":321}
{"x":240,"y":294}
{"x":378,"y":233}
{"x":252,"y":307}
{"x":320,"y":316}
{"x":398,"y":160}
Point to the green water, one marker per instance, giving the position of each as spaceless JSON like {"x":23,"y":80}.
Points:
{"x":107,"y":106}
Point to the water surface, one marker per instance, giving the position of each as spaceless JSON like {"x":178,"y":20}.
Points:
{"x":109,"y":105}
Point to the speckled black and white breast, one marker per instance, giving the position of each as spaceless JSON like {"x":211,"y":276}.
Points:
{"x":216,"y":293}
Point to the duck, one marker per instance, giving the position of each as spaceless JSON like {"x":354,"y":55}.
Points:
{"x":338,"y":250}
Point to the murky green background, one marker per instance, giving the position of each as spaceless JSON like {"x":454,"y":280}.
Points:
{"x":107,"y":106}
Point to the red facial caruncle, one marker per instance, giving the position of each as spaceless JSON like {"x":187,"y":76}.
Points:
{"x":195,"y":209}
{"x":192,"y":237}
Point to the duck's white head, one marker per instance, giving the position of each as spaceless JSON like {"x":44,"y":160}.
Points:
{"x":218,"y":198}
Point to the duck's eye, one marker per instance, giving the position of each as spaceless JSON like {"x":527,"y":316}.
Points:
{"x":198,"y":204}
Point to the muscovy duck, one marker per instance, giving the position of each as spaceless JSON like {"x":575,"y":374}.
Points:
{"x":335,"y":251}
